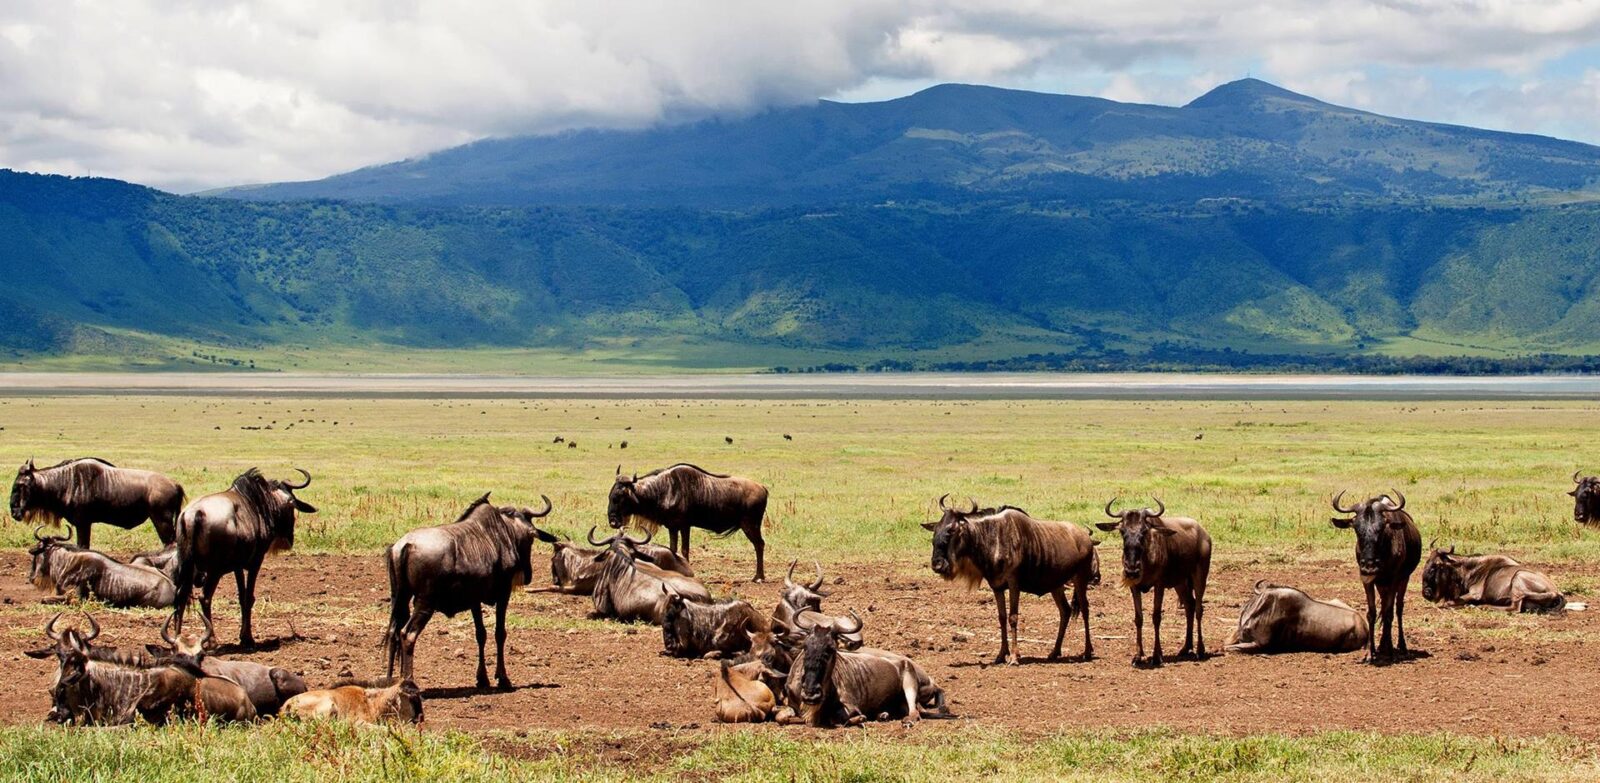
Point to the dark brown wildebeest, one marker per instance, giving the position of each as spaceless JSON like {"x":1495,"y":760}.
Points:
{"x":90,"y":490}
{"x":360,"y":703}
{"x":806,"y":599}
{"x":476,"y":560}
{"x":630,"y":591}
{"x":694,"y":630}
{"x":683,"y":497}
{"x":233,"y":531}
{"x":742,"y":695}
{"x":1283,"y":619}
{"x":1010,"y":550}
{"x":1388,"y":548}
{"x":574,"y":569}
{"x":828,"y":686}
{"x":1488,"y":580}
{"x":1586,"y":499}
{"x":267,"y":687}
{"x":1161,"y":552}
{"x":58,"y":567}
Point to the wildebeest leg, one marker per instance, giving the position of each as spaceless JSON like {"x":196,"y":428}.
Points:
{"x":1386,"y":647}
{"x":1372,"y":622}
{"x":672,"y":541}
{"x":1155,"y":623}
{"x":1016,"y":646}
{"x":1400,"y":615}
{"x":419,"y":620}
{"x":246,"y":582}
{"x":1080,"y":604}
{"x":1186,"y":597}
{"x":1000,"y":607}
{"x":83,"y":532}
{"x":908,"y":683}
{"x":1138,"y":625}
{"x":686,"y":543}
{"x":1064,"y":609}
{"x":501,"y":679}
{"x":752,"y":531}
{"x":206,"y":591}
{"x":1200,"y":612}
{"x":482,"y":636}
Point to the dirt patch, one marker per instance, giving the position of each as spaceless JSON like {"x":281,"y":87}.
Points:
{"x":324,"y":616}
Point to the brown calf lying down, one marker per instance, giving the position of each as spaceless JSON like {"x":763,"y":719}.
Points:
{"x":1284,"y":619}
{"x":1488,"y":580}
{"x":742,"y":697}
{"x":360,"y":703}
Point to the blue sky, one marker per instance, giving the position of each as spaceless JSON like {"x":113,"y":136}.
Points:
{"x":187,"y":95}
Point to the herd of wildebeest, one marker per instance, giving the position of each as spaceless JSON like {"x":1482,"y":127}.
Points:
{"x":796,"y":664}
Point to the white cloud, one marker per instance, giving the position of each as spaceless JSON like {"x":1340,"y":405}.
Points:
{"x":186,"y":94}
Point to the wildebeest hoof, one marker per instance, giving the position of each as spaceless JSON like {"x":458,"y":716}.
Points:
{"x":758,"y":580}
{"x":504,"y":685}
{"x":483,"y":683}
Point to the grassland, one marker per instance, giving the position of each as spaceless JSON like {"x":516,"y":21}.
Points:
{"x":851,"y":485}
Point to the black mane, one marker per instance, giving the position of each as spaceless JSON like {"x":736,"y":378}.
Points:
{"x":658,"y":471}
{"x":256,"y":491}
{"x":66,"y":462}
{"x":474,"y":507}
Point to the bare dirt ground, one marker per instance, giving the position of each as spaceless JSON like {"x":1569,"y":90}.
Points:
{"x":1484,"y":672}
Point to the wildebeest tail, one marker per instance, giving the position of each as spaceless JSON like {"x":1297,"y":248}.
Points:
{"x":188,"y":534}
{"x":399,"y":601}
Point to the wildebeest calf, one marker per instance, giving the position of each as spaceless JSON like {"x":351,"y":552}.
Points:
{"x":1283,"y":619}
{"x":1488,"y":580}
{"x":267,"y":687}
{"x":360,"y":703}
{"x":1160,"y":552}
{"x":741,"y":694}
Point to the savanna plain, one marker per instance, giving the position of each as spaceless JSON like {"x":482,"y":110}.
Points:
{"x":1491,"y":696}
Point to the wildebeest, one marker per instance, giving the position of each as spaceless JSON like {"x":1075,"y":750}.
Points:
{"x":683,"y":497}
{"x":360,"y":703}
{"x":1586,"y":499}
{"x":574,"y":569}
{"x":1160,"y":552}
{"x":692,"y":630}
{"x":90,"y":490}
{"x":828,"y":686}
{"x":741,"y":694}
{"x":806,"y":600}
{"x":1010,"y":550}
{"x":1284,"y":619}
{"x":233,"y":531}
{"x":267,"y":687}
{"x":629,"y":590}
{"x":164,"y":560}
{"x":1388,"y":548}
{"x":1488,"y":580}
{"x":476,"y":560}
{"x":58,"y":567}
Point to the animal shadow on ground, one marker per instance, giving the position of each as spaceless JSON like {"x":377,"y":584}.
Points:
{"x":468,"y":691}
{"x":261,"y":646}
{"x":1402,"y":657}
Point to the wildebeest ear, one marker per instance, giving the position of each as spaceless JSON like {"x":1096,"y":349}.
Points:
{"x":43,"y":652}
{"x":1573,"y":493}
{"x":546,"y":536}
{"x":930,"y":525}
{"x":1108,"y":526}
{"x":304,"y":507}
{"x":1341,"y":522}
{"x":157,"y":649}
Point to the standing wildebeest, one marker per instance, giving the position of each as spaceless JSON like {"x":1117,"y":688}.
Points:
{"x":89,"y":490}
{"x":1160,"y":552}
{"x":233,"y":531}
{"x":574,"y":569}
{"x":267,"y":687}
{"x":828,"y":686}
{"x":629,"y":590}
{"x":1488,"y":580}
{"x":1010,"y":550}
{"x":1284,"y":619}
{"x":477,"y":559}
{"x":59,"y":567}
{"x":1586,"y":499}
{"x":1388,"y":548}
{"x":692,"y":630}
{"x":684,"y":497}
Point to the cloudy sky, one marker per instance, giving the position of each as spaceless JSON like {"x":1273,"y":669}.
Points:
{"x":189,"y":94}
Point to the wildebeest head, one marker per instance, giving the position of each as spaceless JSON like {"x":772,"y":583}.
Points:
{"x":951,"y":536}
{"x":624,"y":500}
{"x":40,"y":572}
{"x":1440,"y":579}
{"x":71,"y":651}
{"x":22,"y":490}
{"x":1372,"y":519}
{"x":1142,"y":529}
{"x":1585,"y":496}
{"x":620,"y":544}
{"x":186,"y":651}
{"x":276,"y":503}
{"x":803,"y":596}
{"x":674,"y":631}
{"x":819,"y":651}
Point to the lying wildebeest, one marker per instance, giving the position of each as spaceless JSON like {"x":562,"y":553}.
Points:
{"x":477,"y":559}
{"x":90,"y":490}
{"x":828,"y":686}
{"x":360,"y":703}
{"x":741,"y":694}
{"x":1010,"y":550}
{"x":683,"y":497}
{"x":1488,"y":580}
{"x":1160,"y":552}
{"x":267,"y":687}
{"x":1284,"y":619}
{"x":693,"y":630}
{"x":629,"y":590}
{"x":574,"y":569}
{"x":806,"y":599}
{"x":233,"y":531}
{"x":58,"y":567}
{"x":1388,"y":548}
{"x":95,"y":692}
{"x":1586,"y":499}
{"x":164,"y":560}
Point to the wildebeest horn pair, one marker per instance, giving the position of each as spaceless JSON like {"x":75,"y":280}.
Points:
{"x":205,"y":640}
{"x":53,"y":635}
{"x":837,"y":625}
{"x":944,"y":500}
{"x":62,"y":537}
{"x":623,"y":535}
{"x":814,"y":586}
{"x":1161,"y":508}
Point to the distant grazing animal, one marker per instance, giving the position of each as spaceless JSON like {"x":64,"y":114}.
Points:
{"x":233,"y":531}
{"x":693,"y":630}
{"x":58,"y":567}
{"x":1010,"y":550}
{"x":1388,"y":548}
{"x":798,"y":600}
{"x":1586,"y":499}
{"x":267,"y":687}
{"x":832,"y":687}
{"x":477,"y":559}
{"x":360,"y":703}
{"x":1161,"y":552}
{"x":1488,"y":580}
{"x":88,"y":692}
{"x":572,"y":444}
{"x":742,"y":696}
{"x":574,"y":569}
{"x":559,"y":439}
{"x":90,"y":490}
{"x":1283,"y":619}
{"x":682,"y":497}
{"x":630,"y":591}
{"x":728,"y":440}
{"x":787,"y":436}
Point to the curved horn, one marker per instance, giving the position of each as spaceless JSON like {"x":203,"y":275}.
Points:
{"x":1576,"y":479}
{"x":166,"y":630}
{"x":593,"y":542}
{"x":1339,"y":508}
{"x":619,"y":469}
{"x":974,"y":506}
{"x":301,"y":485}
{"x":71,"y":528}
{"x":788,"y":579}
{"x":648,"y":534}
{"x":94,"y":628}
{"x":801,"y":622}
{"x":1402,"y":497}
{"x":817,"y":585}
{"x":1111,"y":513}
{"x":839,"y":623}
{"x":36,"y":536}
{"x":942,"y":499}
{"x":211,"y":632}
{"x":547,"y":507}
{"x":50,"y":631}
{"x":1161,"y":508}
